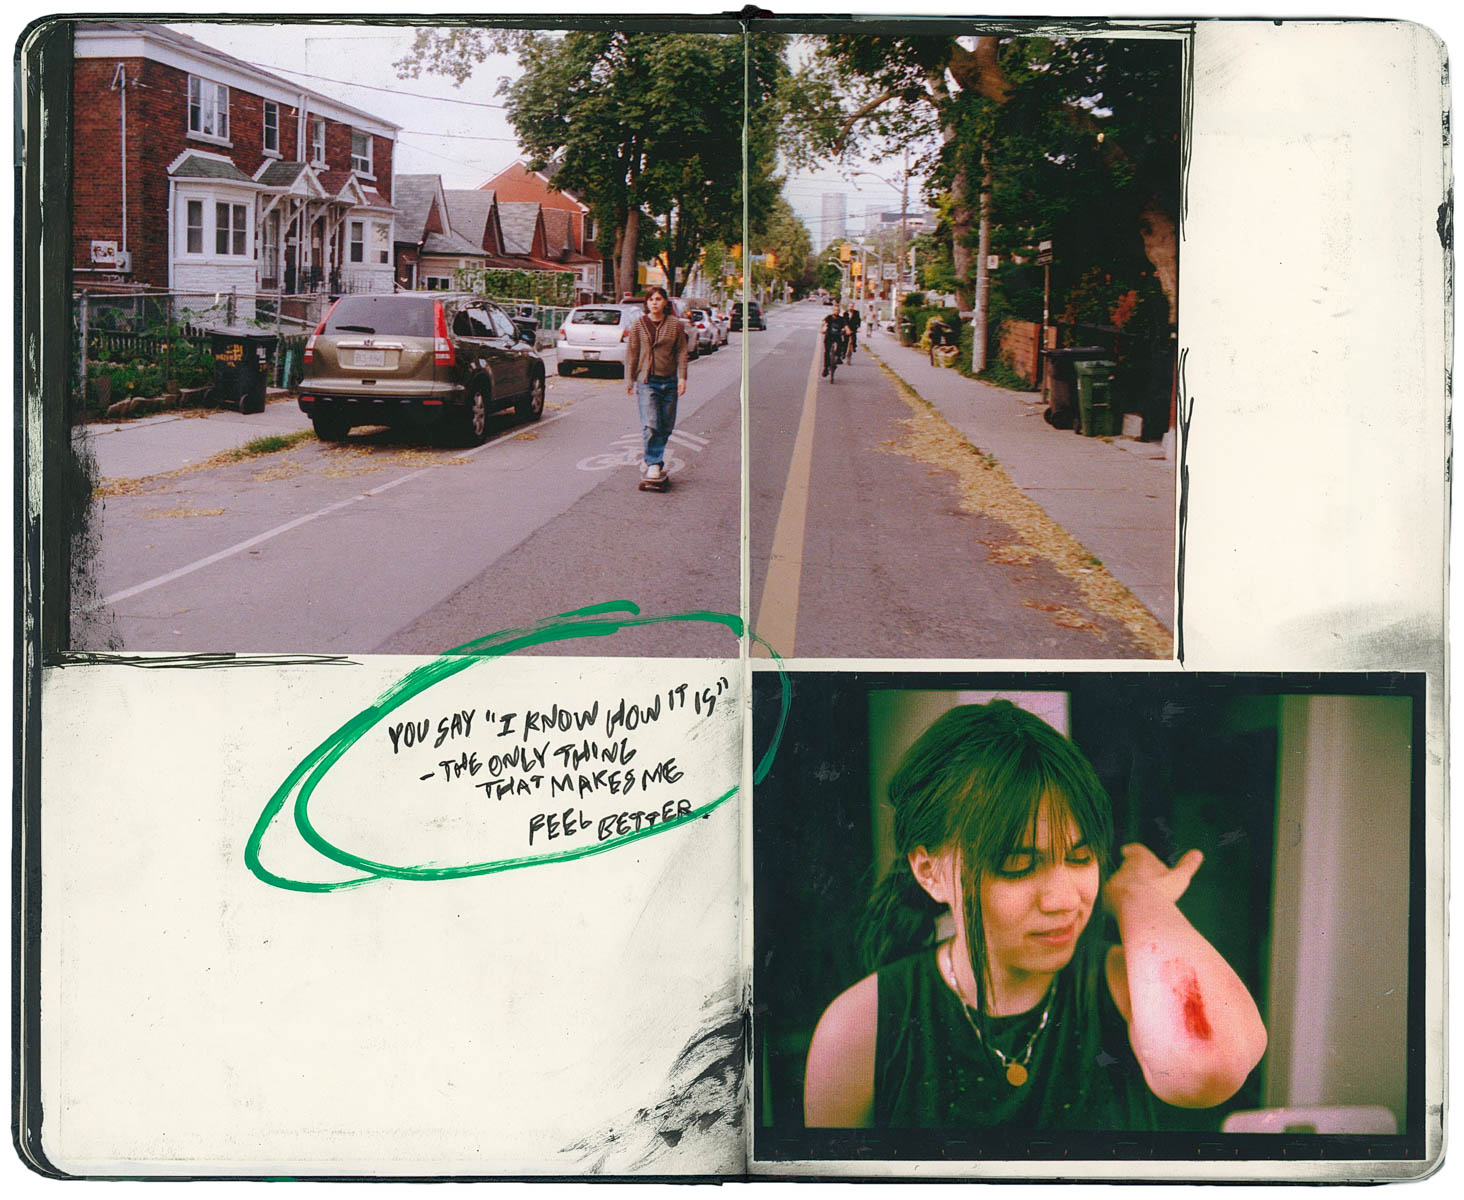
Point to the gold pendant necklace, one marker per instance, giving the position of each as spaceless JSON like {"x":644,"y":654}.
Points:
{"x":1016,"y":1070}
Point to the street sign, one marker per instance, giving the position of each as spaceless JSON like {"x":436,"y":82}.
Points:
{"x":887,"y":271}
{"x":1044,"y":254}
{"x":992,"y":261}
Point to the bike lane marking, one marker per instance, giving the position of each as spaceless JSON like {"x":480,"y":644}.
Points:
{"x":625,"y":451}
{"x":268,"y":534}
{"x":777,"y":613}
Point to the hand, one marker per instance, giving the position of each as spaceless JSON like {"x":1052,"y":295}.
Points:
{"x":630,"y":388}
{"x":681,"y":388}
{"x":1142,"y":874}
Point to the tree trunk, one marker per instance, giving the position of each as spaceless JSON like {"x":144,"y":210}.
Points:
{"x":1156,"y":227}
{"x":962,"y":218}
{"x":625,"y":273}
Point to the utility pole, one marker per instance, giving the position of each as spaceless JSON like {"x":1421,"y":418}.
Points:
{"x":904,"y":214}
{"x":983,"y":270}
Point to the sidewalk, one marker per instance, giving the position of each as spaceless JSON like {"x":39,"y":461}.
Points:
{"x":138,"y":447}
{"x":1117,"y":498}
{"x":132,"y":449}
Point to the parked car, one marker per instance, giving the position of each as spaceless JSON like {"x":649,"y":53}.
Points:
{"x":683,"y":314}
{"x":424,"y":358}
{"x":754,"y":316}
{"x":706,"y":329}
{"x":724,"y":324}
{"x":596,"y":333}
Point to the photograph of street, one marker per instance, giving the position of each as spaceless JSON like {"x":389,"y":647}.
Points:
{"x":357,"y":359}
{"x":390,"y":356}
{"x":1007,"y":259}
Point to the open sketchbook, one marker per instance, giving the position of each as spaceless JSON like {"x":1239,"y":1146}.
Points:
{"x":369,"y":840}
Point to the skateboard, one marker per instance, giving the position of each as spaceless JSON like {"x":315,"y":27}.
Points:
{"x":655,"y":485}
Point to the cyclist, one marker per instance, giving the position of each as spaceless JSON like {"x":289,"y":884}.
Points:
{"x":852,"y":319}
{"x":835,"y":333}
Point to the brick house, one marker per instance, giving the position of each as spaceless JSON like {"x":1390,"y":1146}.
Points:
{"x":428,"y":249}
{"x":569,"y":239}
{"x":194,"y":171}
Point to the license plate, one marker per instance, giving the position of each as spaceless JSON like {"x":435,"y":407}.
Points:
{"x":592,"y":354}
{"x":369,"y":358}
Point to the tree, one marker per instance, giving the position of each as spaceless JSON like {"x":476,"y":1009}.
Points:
{"x":1011,"y":116}
{"x":645,"y":127}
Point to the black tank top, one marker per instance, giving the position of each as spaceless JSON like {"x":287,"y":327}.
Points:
{"x":931,"y":1072}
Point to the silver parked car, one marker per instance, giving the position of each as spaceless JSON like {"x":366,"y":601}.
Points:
{"x":596,"y":333}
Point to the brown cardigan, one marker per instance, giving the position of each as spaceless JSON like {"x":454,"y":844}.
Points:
{"x":638,"y":349}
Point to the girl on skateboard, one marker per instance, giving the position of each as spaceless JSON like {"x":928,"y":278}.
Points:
{"x":655,"y":369}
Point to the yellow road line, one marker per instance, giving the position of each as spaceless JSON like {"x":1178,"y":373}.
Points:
{"x":777,"y":614}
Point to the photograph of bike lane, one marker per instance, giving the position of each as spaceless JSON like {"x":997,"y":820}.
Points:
{"x":392,"y":542}
{"x":883,"y":526}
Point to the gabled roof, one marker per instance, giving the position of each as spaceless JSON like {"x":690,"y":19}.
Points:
{"x":518,"y":184}
{"x":558,"y":238}
{"x":193,"y":165}
{"x":519,"y":221}
{"x":414,"y":196}
{"x":470,"y":213}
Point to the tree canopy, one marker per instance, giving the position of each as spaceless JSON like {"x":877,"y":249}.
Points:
{"x":1073,"y":139}
{"x":638,"y":125}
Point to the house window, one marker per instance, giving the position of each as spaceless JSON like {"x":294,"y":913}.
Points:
{"x":317,"y":141}
{"x":358,"y":241}
{"x":360,"y":152}
{"x":271,"y":127}
{"x":381,"y":241}
{"x":438,"y":283}
{"x":230,"y":229}
{"x":208,"y":108}
{"x":195,"y":227}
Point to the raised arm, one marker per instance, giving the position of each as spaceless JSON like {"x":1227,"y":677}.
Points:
{"x":838,"y":1084}
{"x":1193,"y":1025}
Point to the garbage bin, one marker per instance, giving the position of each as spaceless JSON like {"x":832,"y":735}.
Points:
{"x":1095,"y":396}
{"x":1062,"y":387}
{"x":243,"y":361}
{"x":907,"y":333}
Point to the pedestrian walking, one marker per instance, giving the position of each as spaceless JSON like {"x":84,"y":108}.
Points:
{"x":655,"y":369}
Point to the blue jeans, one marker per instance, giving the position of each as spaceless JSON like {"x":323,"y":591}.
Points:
{"x":657,"y":400}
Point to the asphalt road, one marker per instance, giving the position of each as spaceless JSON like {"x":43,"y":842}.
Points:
{"x":860,"y":551}
{"x":397,"y":542}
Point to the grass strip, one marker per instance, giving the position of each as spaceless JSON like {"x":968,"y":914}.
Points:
{"x":987,"y":489}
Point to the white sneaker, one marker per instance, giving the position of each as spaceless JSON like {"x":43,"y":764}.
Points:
{"x":655,"y":472}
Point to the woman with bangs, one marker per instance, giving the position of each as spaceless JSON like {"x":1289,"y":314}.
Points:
{"x":1023,"y":1016}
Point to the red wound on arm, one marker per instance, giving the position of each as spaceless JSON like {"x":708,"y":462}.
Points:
{"x":1196,"y":1024}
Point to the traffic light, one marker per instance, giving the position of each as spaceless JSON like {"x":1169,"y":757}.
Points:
{"x":857,"y":268}
{"x":772,"y":260}
{"x":844,"y":252}
{"x":737,"y":250}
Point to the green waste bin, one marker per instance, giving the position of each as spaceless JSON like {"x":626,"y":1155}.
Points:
{"x":1095,"y":397}
{"x":243,"y":363}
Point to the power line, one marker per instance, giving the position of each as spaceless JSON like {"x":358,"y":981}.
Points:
{"x":475,"y":137}
{"x":394,"y":91}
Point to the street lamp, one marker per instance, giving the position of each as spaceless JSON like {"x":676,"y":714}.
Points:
{"x":904,"y":190}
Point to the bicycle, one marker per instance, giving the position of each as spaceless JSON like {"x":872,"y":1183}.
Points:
{"x":833,"y":356}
